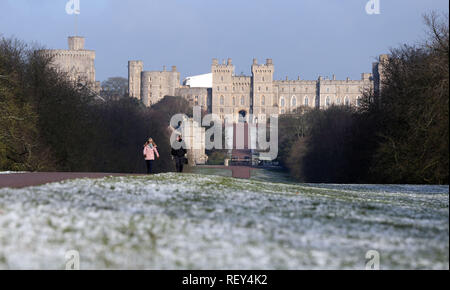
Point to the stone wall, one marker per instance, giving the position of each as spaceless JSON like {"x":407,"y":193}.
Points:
{"x":347,"y":92}
{"x":294,"y":93}
{"x":157,"y":84}
{"x":195,"y":96}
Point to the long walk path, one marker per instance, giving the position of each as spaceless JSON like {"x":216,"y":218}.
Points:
{"x":237,"y":171}
{"x":19,"y":180}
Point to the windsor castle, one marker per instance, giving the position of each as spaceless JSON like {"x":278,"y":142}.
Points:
{"x":221,"y":92}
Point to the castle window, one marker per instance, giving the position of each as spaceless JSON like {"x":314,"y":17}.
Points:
{"x":282,"y":111}
{"x":234,"y":101}
{"x":282,"y":89}
{"x":347,"y":101}
{"x":218,"y":88}
{"x":306,"y":101}
{"x":294,"y":101}
{"x":259,"y":89}
{"x":293,"y":89}
{"x":196,"y":100}
{"x":358,"y":101}
{"x":267,"y":89}
{"x":282,"y":104}
{"x":242,"y":100}
{"x":327,"y":101}
{"x":226,"y":88}
{"x":221,"y":79}
{"x":222,"y":100}
{"x":263,"y":110}
{"x":338,"y":101}
{"x":328,"y":89}
{"x":263,"y":101}
{"x":263,"y":79}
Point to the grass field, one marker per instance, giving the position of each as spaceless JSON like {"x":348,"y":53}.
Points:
{"x":190,"y":221}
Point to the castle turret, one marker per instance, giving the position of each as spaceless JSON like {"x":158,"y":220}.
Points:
{"x":76,"y":43}
{"x":263,"y":97}
{"x":135,"y":68}
{"x":222,"y":90}
{"x":379,"y":72}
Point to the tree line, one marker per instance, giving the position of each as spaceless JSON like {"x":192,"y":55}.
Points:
{"x":48,"y":123}
{"x":398,"y":135}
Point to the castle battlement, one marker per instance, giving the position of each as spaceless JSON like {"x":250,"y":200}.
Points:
{"x":341,"y":82}
{"x":295,"y":82}
{"x":68,"y":53}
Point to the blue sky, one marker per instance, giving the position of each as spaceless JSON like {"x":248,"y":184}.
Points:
{"x":303,"y":37}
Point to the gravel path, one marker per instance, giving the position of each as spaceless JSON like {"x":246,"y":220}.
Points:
{"x":243,"y":172}
{"x":20,"y":180}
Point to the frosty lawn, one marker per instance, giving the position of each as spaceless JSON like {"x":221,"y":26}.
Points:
{"x":189,"y":221}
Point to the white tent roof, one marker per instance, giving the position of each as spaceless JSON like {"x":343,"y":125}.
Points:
{"x":199,"y":81}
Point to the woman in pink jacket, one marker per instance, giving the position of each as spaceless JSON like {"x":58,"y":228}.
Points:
{"x":149,"y":154}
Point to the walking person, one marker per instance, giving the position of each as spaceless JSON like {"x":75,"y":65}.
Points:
{"x":149,"y":154}
{"x":179,"y":154}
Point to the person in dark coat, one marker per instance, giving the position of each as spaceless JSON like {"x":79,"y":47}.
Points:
{"x":179,"y":154}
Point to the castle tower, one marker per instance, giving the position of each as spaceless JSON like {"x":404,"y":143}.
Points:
{"x":222,"y":90}
{"x":155,"y":85}
{"x":76,"y":43}
{"x":263,"y":96}
{"x":379,"y":72}
{"x":135,"y":68}
{"x":77,"y":62}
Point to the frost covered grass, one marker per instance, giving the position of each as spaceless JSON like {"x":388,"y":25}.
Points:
{"x":189,"y":221}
